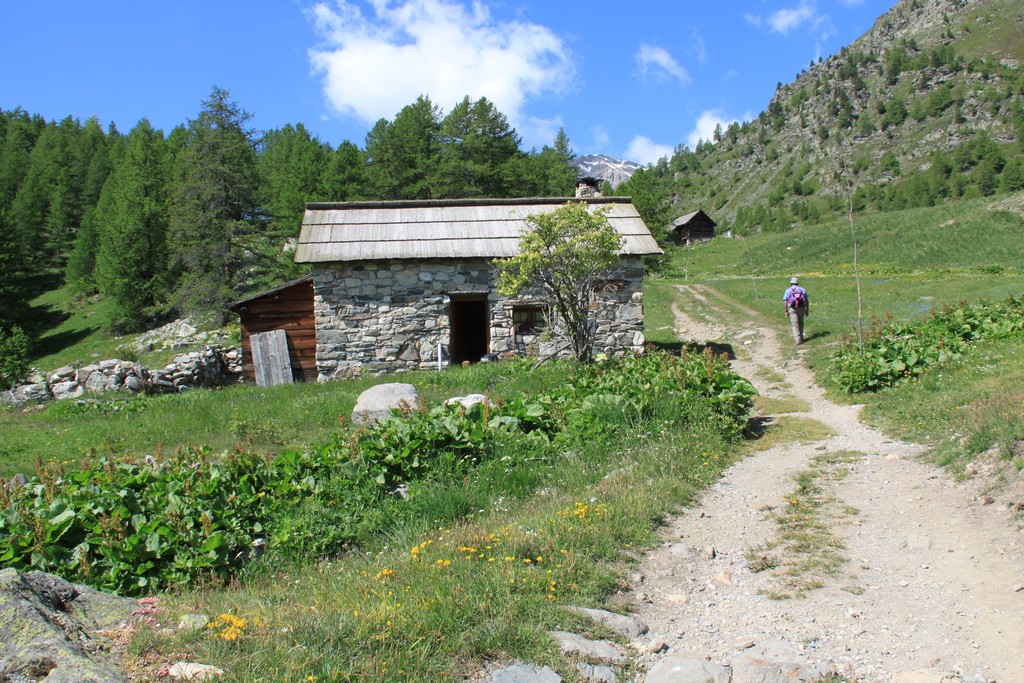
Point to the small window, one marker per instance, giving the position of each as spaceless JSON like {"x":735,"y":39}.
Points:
{"x":528,"y":319}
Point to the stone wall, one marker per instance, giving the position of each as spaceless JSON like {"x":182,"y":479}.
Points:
{"x":214,"y":366}
{"x":389,"y":316}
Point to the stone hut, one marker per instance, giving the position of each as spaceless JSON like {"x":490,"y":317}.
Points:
{"x":410,"y":284}
{"x":695,"y":226}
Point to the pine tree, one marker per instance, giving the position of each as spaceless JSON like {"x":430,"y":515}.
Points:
{"x":293,"y":165}
{"x":651,"y":199}
{"x":81,"y":266}
{"x":550,"y":172}
{"x":213,"y":215}
{"x":478,"y":149}
{"x":344,"y":178}
{"x":20,"y":134}
{"x":131,"y":260}
{"x":403,"y":154}
{"x":14,"y":287}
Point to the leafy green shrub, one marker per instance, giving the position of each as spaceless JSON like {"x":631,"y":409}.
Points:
{"x":136,"y":527}
{"x":895,"y":351}
{"x":14,"y":348}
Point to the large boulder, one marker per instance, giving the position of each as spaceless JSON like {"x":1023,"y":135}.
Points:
{"x":50,"y":630}
{"x":375,"y":404}
{"x":687,"y":670}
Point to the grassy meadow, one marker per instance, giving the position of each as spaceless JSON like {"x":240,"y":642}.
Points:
{"x":911,"y":263}
{"x":490,"y":559}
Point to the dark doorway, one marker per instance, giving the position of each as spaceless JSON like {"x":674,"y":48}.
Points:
{"x":469,"y":328}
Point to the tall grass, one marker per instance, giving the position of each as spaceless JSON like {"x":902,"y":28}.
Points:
{"x":267,"y":419}
{"x":479,"y":573}
{"x":964,"y":408}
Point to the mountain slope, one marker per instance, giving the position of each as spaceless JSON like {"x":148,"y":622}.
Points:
{"x":925,"y":106}
{"x":615,"y":171}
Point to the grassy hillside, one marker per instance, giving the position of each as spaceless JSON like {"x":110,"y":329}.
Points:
{"x":912,"y":263}
{"x":930,"y":78}
{"x":981,"y":235}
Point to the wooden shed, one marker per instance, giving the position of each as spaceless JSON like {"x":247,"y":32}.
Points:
{"x":288,"y":307}
{"x":695,"y":226}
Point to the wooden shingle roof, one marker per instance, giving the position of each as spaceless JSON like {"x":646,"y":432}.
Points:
{"x":684,"y":219}
{"x":448,"y":228}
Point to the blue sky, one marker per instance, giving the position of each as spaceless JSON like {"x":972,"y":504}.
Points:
{"x":630,"y":80}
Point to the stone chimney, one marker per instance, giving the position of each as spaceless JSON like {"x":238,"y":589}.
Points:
{"x":588,"y":187}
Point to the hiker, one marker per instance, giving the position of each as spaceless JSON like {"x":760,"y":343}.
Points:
{"x":798,"y":305}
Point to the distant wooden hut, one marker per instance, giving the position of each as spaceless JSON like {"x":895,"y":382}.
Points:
{"x":288,"y":307}
{"x":695,"y":226}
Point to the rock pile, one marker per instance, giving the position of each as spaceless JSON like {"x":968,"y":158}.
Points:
{"x":175,"y":336}
{"x":213,"y":366}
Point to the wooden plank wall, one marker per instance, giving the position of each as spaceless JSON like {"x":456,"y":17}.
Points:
{"x":290,"y":310}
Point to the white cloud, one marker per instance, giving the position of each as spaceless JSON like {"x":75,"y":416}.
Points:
{"x":372,"y":66}
{"x":824,"y":26}
{"x":645,"y":151}
{"x":601,"y":138}
{"x":785,"y":20}
{"x":697,"y":47}
{"x":536,"y":132}
{"x":705,"y":127}
{"x":658,"y":64}
{"x":789,"y":19}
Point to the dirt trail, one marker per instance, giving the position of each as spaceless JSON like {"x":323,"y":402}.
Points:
{"x":932,"y":581}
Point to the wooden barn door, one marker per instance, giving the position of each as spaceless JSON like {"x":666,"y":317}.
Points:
{"x":270,"y":358}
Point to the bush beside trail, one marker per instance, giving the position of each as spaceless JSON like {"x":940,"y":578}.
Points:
{"x":894,"y":351}
{"x":136,"y":527}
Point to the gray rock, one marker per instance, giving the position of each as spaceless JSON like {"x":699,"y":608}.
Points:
{"x":133,"y":384}
{"x":8,"y":398}
{"x":193,"y":622}
{"x":682,"y":550}
{"x":774,"y":661}
{"x":655,"y":645}
{"x":83,"y":374}
{"x":525,"y":673}
{"x":97,"y":382}
{"x":191,"y":671}
{"x":687,"y":670}
{"x":65,"y":390}
{"x":375,"y":404}
{"x":467,"y":401}
{"x":49,"y":629}
{"x":603,"y":674}
{"x":28,"y":393}
{"x":62,"y":374}
{"x":603,"y":651}
{"x":627,"y":626}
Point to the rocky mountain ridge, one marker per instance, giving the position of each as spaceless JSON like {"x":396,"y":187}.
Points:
{"x":938,"y":76}
{"x":615,"y":171}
